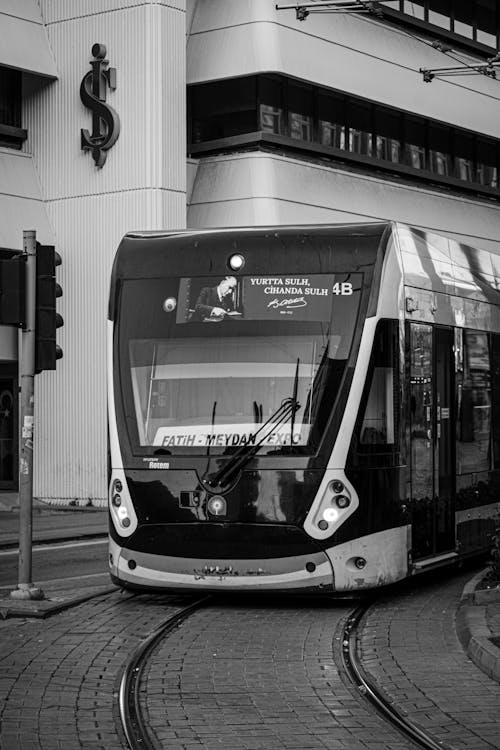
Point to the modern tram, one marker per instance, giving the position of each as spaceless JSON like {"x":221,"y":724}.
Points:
{"x":304,"y":409}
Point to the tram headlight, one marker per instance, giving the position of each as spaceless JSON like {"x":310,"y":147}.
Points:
{"x":217,"y":506}
{"x":337,"y":486}
{"x":236,"y":262}
{"x":335,"y":501}
{"x":170,"y":304}
{"x":342,"y":501}
{"x":120,"y":505}
{"x":330,"y":514}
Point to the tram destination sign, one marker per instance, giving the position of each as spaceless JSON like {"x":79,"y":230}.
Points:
{"x":300,"y":297}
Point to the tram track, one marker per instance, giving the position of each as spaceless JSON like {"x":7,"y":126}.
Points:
{"x":131,"y":718}
{"x":368,"y":689}
{"x":129,"y":696}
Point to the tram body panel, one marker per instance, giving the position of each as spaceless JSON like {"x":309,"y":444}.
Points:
{"x":300,"y":574}
{"x":371,"y":561}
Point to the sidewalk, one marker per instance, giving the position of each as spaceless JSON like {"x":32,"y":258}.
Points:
{"x":478,"y":626}
{"x":50,"y":522}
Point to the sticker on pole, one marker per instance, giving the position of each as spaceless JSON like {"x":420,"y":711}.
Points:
{"x":28,"y":427}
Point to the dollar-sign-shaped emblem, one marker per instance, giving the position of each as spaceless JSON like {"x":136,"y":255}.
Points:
{"x":105,"y":121}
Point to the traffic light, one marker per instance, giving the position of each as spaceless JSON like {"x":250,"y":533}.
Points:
{"x":12,"y":291}
{"x":47,"y":352}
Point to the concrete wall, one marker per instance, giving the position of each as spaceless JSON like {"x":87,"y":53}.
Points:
{"x":141,"y":186}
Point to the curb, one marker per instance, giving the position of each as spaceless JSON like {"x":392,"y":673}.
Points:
{"x":45,"y":608}
{"x":473,"y":631}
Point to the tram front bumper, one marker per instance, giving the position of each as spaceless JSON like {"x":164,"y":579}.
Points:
{"x":310,"y":573}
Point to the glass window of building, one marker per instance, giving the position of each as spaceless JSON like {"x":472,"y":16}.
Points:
{"x":300,"y":109}
{"x":439,"y":150}
{"x":415,"y":8}
{"x":487,"y":17}
{"x":440,"y":13}
{"x":359,"y":119}
{"x":388,"y":134}
{"x":487,"y":162}
{"x":463,"y":23}
{"x":331,"y":120}
{"x":281,"y":106}
{"x":10,"y":97}
{"x":464,"y":150}
{"x":223,"y":109}
{"x":415,"y":143}
{"x":270,"y":105}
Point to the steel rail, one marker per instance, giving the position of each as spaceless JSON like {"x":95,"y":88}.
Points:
{"x":129,"y":707}
{"x":368,"y":689}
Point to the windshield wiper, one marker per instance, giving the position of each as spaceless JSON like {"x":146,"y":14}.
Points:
{"x":287,"y":409}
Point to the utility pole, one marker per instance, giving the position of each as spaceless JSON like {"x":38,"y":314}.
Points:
{"x":25,"y":588}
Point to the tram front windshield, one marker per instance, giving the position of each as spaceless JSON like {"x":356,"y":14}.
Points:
{"x":207,"y":363}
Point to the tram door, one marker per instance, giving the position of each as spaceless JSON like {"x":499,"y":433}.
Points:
{"x":432,"y":440}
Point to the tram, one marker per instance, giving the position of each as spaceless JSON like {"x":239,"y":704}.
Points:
{"x":300,"y":408}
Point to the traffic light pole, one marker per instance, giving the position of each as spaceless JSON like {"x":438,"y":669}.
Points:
{"x":25,"y":588}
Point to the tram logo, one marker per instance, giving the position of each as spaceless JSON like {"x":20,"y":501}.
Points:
{"x":105,"y":121}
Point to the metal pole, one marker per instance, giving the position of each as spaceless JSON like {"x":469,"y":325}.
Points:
{"x":25,"y":587}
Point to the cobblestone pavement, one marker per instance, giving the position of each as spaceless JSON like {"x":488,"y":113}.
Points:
{"x":410,"y":647}
{"x":244,"y":675}
{"x":259,"y":677}
{"x":58,"y":677}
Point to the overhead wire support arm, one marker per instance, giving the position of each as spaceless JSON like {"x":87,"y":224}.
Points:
{"x":486,"y":69}
{"x":302,"y":10}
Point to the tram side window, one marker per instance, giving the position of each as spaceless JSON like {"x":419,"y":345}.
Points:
{"x":380,"y":417}
{"x":474,"y":404}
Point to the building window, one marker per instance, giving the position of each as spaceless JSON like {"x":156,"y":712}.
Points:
{"x":464,"y":167}
{"x":439,"y":147}
{"x":477,"y":20}
{"x":414,"y":143}
{"x":223,"y":109}
{"x":388,"y":134}
{"x":440,"y":13}
{"x":331,"y":116}
{"x":487,"y":18}
{"x":300,"y":109}
{"x":365,"y":131}
{"x":487,"y":160}
{"x":11,"y":133}
{"x":415,"y":8}
{"x":359,"y":131}
{"x":270,"y":105}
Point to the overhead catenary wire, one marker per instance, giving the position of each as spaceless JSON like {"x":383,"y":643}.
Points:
{"x":325,"y":6}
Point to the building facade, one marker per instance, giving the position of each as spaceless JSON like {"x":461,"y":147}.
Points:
{"x":232,"y":112}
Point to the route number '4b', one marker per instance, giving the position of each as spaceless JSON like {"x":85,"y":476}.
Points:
{"x":345,"y":288}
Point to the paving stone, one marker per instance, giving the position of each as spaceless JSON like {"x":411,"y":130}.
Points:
{"x":427,"y":673}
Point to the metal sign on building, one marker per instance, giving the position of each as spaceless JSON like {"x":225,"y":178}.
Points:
{"x":105,"y":121}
